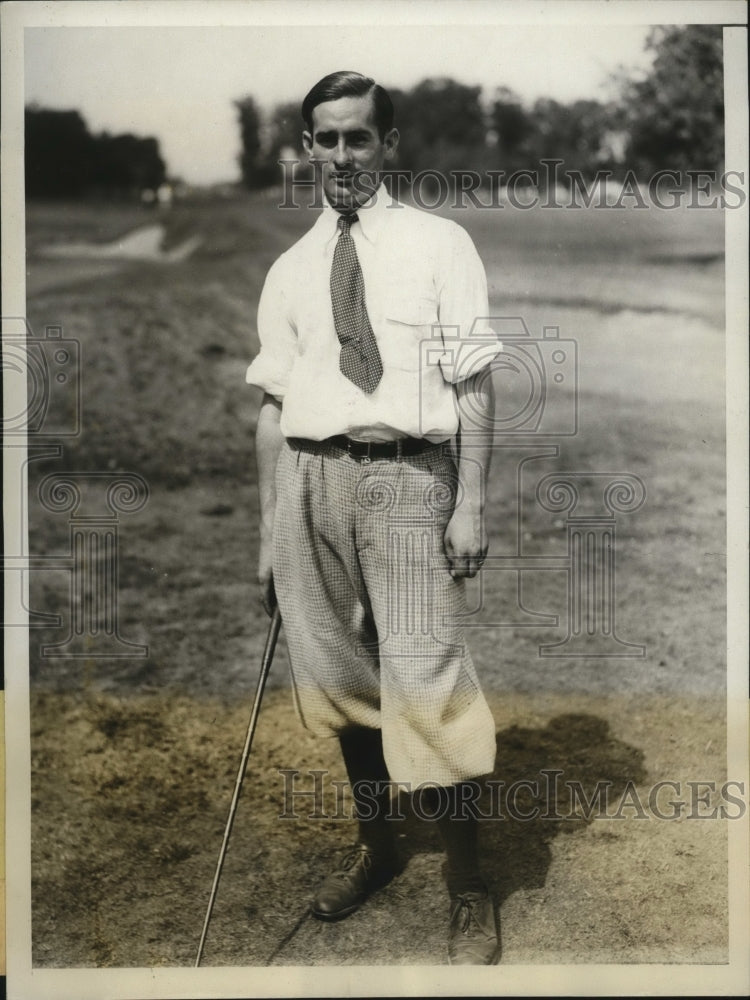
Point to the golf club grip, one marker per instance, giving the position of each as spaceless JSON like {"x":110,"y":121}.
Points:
{"x":265,"y":668}
{"x":271,"y":638}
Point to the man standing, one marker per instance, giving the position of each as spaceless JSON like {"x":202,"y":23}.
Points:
{"x":374,"y":362}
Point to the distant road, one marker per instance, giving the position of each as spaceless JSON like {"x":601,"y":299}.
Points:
{"x":60,"y":264}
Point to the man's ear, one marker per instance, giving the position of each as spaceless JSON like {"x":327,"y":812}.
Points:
{"x":391,"y":143}
{"x":307,"y":143}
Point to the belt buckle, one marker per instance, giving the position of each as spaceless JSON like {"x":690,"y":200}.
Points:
{"x":363,"y":459}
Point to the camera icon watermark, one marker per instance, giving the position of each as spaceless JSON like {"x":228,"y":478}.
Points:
{"x":48,"y":369}
{"x":536,"y":378}
{"x":94,"y":502}
{"x":534,"y":401}
{"x":42,"y":400}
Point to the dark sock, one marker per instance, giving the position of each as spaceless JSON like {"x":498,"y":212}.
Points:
{"x":459,"y":832}
{"x":362,"y":750}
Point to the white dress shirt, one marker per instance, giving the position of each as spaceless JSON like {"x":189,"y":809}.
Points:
{"x":426,"y":297}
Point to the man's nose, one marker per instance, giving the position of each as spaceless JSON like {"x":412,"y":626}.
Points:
{"x":342,"y":155}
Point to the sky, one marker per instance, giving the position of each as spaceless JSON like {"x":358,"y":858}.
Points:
{"x":179,"y":83}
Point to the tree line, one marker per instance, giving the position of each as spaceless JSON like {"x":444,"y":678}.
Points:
{"x":673,"y":118}
{"x":63,"y":159}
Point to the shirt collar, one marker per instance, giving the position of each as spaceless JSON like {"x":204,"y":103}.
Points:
{"x":371,"y":216}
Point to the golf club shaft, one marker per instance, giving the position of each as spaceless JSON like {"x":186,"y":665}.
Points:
{"x":265,"y":667}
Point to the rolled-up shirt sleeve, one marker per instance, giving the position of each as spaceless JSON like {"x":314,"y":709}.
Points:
{"x":469,"y":342}
{"x":278,"y":337}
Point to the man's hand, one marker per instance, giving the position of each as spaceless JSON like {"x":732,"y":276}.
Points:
{"x":265,"y":575}
{"x":465,"y":543}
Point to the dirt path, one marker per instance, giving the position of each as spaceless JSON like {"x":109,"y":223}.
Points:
{"x":59,"y":264}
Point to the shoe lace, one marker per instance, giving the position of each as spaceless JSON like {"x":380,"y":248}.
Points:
{"x":357,"y":855}
{"x":466,"y":904}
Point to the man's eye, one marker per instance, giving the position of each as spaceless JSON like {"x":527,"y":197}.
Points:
{"x":326,"y":140}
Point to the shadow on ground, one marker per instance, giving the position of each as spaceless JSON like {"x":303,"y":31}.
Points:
{"x":547,"y":781}
{"x":545,"y":784}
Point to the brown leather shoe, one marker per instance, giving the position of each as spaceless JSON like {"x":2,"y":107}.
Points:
{"x":472,"y":933}
{"x":362,"y":871}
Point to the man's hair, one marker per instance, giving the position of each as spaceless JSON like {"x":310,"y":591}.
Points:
{"x":346,"y":83}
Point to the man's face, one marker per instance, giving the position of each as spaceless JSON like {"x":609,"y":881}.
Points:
{"x":345,"y":140}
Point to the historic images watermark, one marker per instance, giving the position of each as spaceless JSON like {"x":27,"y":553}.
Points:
{"x":547,"y":796}
{"x":548,"y":186}
{"x":50,"y":368}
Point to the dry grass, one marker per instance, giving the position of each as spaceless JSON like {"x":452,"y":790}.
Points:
{"x":128,"y":831}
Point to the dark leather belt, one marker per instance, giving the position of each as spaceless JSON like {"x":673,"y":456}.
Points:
{"x":368,"y":451}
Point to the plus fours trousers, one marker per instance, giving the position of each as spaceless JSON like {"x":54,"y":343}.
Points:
{"x":371,"y":612}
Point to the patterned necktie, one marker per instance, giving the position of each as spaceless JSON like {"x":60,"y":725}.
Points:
{"x":360,"y":358}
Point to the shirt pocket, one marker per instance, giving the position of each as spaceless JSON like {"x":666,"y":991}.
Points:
{"x":410,"y":327}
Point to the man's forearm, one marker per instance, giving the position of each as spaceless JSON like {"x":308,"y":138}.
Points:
{"x":476,"y":408}
{"x":465,"y":537}
{"x":268,"y":442}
